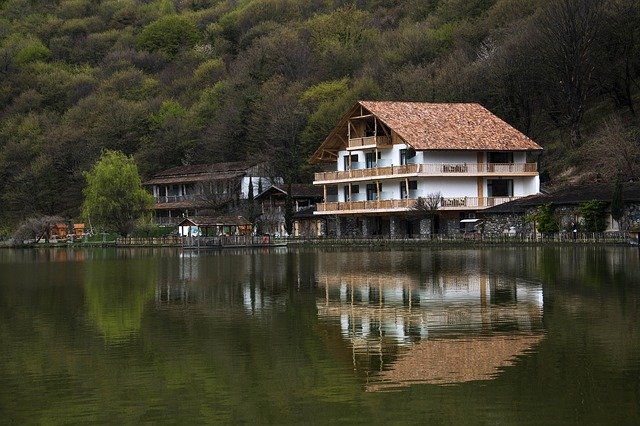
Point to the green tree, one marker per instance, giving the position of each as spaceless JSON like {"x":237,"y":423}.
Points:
{"x":593,"y":214}
{"x":114,"y":196}
{"x":169,"y":34}
{"x":545,"y":219}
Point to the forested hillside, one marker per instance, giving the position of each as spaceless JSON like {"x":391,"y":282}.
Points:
{"x":191,"y":81}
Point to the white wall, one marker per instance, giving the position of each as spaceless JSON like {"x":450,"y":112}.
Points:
{"x":387,"y":156}
{"x":519,"y":157}
{"x":522,"y":185}
{"x":266,"y":183}
{"x":451,"y":157}
{"x":392,"y":156}
{"x":449,"y":187}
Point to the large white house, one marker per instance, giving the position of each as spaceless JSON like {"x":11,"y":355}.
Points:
{"x":383,"y":156}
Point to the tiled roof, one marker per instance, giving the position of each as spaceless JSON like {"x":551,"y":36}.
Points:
{"x":298,"y":190}
{"x":445,"y":126}
{"x":201,"y":172}
{"x":303,"y":190}
{"x":570,"y":196}
{"x":435,"y":126}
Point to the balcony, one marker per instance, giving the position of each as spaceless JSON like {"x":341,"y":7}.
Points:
{"x":192,"y":200}
{"x":369,"y":142}
{"x":363,"y":174}
{"x":178,"y":198}
{"x":414,"y":170}
{"x":382,"y":206}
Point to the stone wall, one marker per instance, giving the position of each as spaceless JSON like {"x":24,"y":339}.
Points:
{"x":506,"y":224}
{"x":350,"y":227}
{"x":514,"y":223}
{"x":449,"y":226}
{"x":631,"y":217}
{"x":493,"y":224}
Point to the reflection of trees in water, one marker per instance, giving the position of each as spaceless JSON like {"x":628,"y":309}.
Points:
{"x":254,"y":279}
{"x":116,"y":292}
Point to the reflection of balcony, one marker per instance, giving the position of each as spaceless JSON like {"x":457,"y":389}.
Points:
{"x":376,"y":206}
{"x":369,"y":142}
{"x":483,"y":169}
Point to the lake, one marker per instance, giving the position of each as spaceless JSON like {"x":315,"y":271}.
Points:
{"x":298,"y":335}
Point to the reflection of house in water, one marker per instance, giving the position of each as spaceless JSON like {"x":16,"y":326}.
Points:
{"x":447,"y":361}
{"x":243,"y":280}
{"x":447,"y":323}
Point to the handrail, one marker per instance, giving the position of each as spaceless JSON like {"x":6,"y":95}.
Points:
{"x":446,"y":203}
{"x":435,"y":169}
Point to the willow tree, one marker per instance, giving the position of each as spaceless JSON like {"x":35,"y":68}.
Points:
{"x":114,"y":196}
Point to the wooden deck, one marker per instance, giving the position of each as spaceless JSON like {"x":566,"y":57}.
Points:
{"x":373,"y":206}
{"x":230,"y":241}
{"x":442,"y":169}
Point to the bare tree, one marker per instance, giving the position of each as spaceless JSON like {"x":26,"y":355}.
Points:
{"x":616,"y":150}
{"x":36,"y":228}
{"x":619,"y":71}
{"x":426,"y":207}
{"x":570,"y":31}
{"x":215,"y":195}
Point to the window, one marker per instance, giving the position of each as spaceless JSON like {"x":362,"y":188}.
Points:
{"x":372,"y":192}
{"x":406,"y":154}
{"x":500,"y":187}
{"x":355,"y":189}
{"x":500,"y":157}
{"x":354,"y":159}
{"x":413,"y":186}
{"x":370,"y":158}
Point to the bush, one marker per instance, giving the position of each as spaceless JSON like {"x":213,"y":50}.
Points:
{"x":593,"y":214}
{"x":545,"y":219}
{"x":169,"y":35}
{"x":149,"y":230}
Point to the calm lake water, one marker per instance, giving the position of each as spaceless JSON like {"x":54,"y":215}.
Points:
{"x":499,"y":335}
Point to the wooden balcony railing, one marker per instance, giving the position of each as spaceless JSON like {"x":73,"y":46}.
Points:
{"x":483,"y":169}
{"x":369,"y":142}
{"x":448,"y":203}
{"x":207,"y":198}
{"x":178,"y":198}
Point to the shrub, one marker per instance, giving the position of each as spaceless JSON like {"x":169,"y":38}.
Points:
{"x":169,"y":34}
{"x":545,"y":219}
{"x":593,"y":214}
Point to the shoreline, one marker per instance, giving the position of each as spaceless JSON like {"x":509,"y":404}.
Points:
{"x":357,"y":242}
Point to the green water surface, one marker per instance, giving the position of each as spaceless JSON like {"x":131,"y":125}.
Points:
{"x":479,"y":336}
